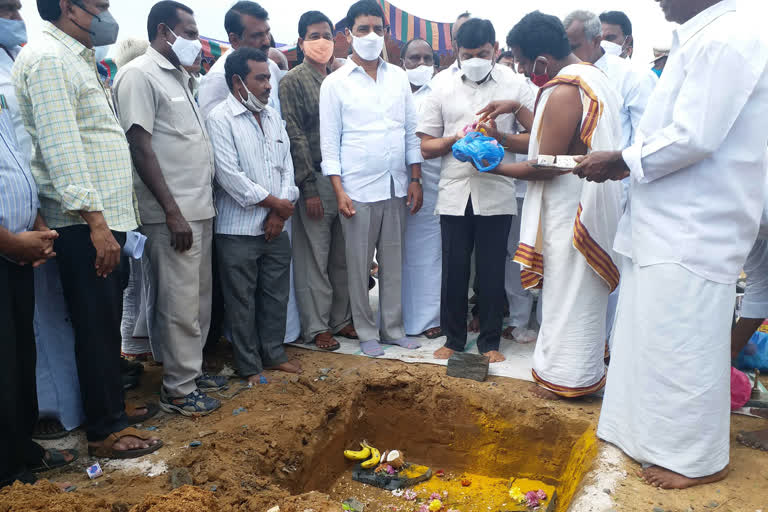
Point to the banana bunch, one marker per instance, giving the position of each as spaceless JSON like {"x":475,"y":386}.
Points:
{"x":369,"y":454}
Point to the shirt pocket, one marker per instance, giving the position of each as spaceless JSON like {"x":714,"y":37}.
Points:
{"x":181,"y":114}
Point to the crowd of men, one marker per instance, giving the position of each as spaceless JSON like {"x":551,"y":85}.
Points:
{"x":137,"y":214}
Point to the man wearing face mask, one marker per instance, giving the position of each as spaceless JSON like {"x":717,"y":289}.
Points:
{"x":162,"y":122}
{"x":422,"y":256}
{"x":255,"y":192}
{"x":318,"y":241}
{"x":247,"y":26}
{"x":13,"y":33}
{"x":617,"y":34}
{"x":567,"y":227}
{"x":475,"y":210}
{"x":82,"y":166}
{"x":371,"y":153}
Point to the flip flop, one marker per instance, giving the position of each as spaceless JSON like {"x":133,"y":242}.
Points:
{"x":151,"y":408}
{"x":56,"y":459}
{"x":107,"y":451}
{"x":59,"y":433}
{"x":348,"y":332}
{"x":328,"y":341}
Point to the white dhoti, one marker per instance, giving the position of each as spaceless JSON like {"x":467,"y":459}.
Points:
{"x":667,"y":399}
{"x":422,"y":259}
{"x":566,"y":239}
{"x":568,"y":359}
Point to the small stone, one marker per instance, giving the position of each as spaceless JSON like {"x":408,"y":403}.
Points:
{"x":352,"y":505}
{"x":274,"y":509}
{"x":213,"y":488}
{"x":239,"y":410}
{"x":323,"y":377}
{"x":150,"y":428}
{"x":607,"y":491}
{"x":468,"y":366}
{"x":712,"y":504}
{"x":325,"y":371}
{"x":195,"y":444}
{"x":178,"y":477}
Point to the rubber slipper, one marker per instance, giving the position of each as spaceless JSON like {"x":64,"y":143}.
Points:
{"x":348,"y":332}
{"x":151,"y":408}
{"x":129,"y":381}
{"x":60,"y":433}
{"x":56,"y":459}
{"x":106,"y":450}
{"x":436,"y":333}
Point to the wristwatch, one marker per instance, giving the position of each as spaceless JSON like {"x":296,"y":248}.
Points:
{"x":417,"y":180}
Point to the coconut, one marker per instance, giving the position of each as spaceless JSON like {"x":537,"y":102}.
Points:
{"x":396,"y":459}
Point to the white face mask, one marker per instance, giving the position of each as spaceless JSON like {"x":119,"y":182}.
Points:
{"x":187,"y":50}
{"x":476,"y":69}
{"x":420,"y":75}
{"x":368,"y":47}
{"x":611,"y":48}
{"x":252,"y":103}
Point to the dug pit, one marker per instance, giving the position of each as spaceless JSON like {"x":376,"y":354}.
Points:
{"x":284,"y":446}
{"x":482,"y":451}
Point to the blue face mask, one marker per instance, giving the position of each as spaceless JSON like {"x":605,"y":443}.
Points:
{"x":657,"y":71}
{"x":12,"y":33}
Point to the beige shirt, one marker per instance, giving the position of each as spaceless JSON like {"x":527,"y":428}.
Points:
{"x":152,"y":93}
{"x":452,"y":105}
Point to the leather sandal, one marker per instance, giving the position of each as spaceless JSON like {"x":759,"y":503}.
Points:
{"x":107,"y":451}
{"x":325,"y":341}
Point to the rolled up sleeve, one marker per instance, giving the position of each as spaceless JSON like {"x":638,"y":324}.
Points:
{"x":58,"y":136}
{"x":431,"y":121}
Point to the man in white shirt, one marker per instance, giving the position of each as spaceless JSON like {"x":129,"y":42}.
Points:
{"x":697,"y":169}
{"x":475,"y":210}
{"x":635,"y":85}
{"x":423,"y":246}
{"x":371,"y":152}
{"x":247,"y":26}
{"x":617,"y":34}
{"x":255,"y":193}
{"x":13,"y":33}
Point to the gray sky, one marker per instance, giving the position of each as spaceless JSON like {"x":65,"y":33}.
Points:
{"x":649,"y":25}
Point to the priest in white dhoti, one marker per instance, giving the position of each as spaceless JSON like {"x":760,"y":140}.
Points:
{"x":422,"y":256}
{"x":568,"y":225}
{"x":697,"y":169}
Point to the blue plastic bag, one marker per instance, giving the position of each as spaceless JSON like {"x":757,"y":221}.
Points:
{"x":755,"y":354}
{"x":484,"y":151}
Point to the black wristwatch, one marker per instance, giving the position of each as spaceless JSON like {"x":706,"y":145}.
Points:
{"x":417,"y":180}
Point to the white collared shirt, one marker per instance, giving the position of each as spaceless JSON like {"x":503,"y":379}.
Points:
{"x":453,"y":104}
{"x":699,"y":160}
{"x":252,"y":163}
{"x":214,"y":88}
{"x":430,"y":169}
{"x":368,"y":131}
{"x":9,"y":102}
{"x":634,"y":85}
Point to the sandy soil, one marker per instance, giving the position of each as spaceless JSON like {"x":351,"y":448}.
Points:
{"x":285,"y":447}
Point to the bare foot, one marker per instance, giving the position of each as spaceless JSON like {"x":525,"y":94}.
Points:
{"x":507,"y":333}
{"x":443,"y":353}
{"x":288,"y":367}
{"x":494,"y":356}
{"x":348,"y":332}
{"x":474,"y":324}
{"x":757,"y":440}
{"x":666,"y":479}
{"x":127,"y":443}
{"x":545,"y":393}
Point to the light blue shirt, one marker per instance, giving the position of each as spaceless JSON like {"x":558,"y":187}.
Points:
{"x":251,"y":163}
{"x":18,"y":192}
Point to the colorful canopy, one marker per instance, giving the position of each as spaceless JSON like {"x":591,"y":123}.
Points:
{"x":404,"y":27}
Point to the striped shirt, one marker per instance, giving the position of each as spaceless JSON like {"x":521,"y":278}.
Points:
{"x":18,"y":193}
{"x":81,"y":160}
{"x":251,"y":164}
